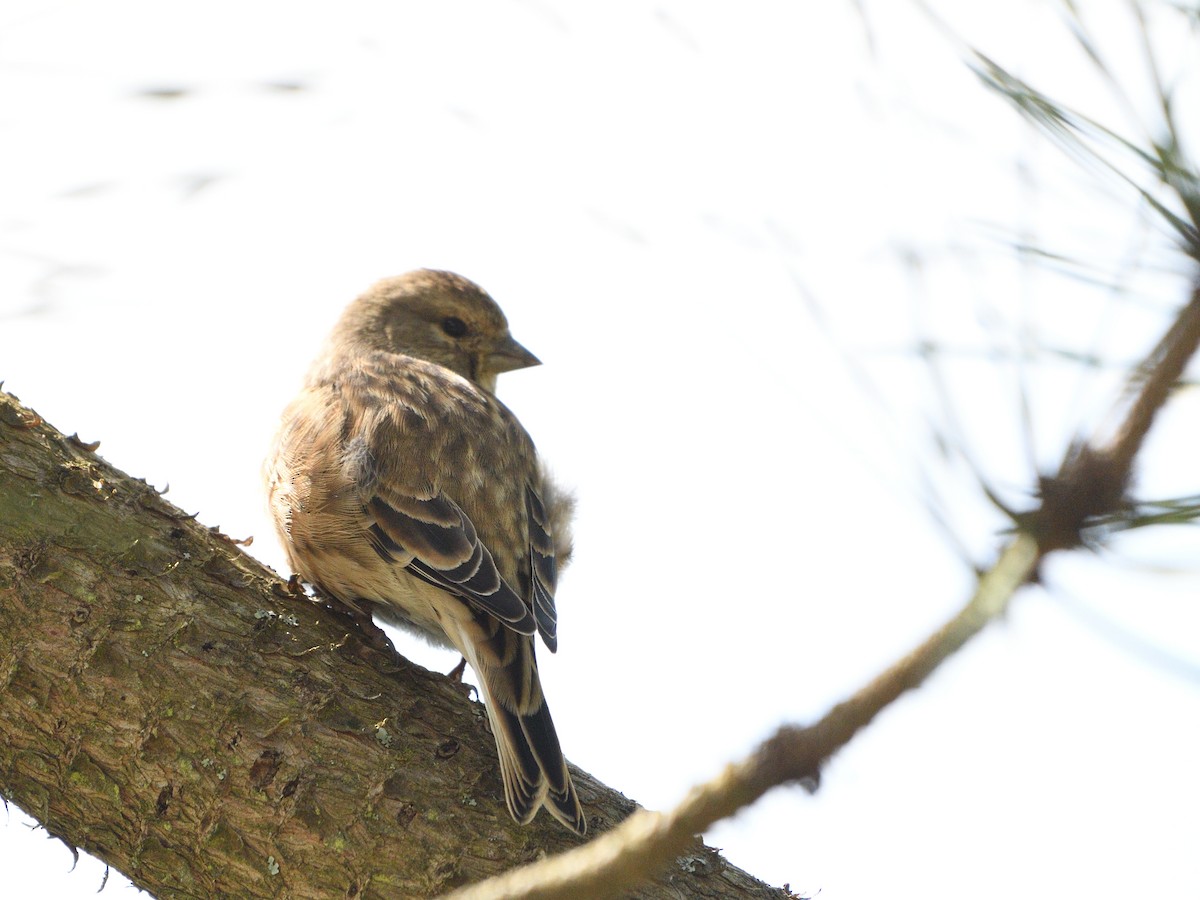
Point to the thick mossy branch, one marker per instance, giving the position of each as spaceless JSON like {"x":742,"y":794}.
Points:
{"x":167,"y":705}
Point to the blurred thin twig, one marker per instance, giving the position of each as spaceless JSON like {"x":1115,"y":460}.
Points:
{"x":1086,"y":498}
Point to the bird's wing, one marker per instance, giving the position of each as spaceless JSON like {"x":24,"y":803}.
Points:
{"x":400,"y":463}
{"x":544,"y":566}
{"x":443,"y":548}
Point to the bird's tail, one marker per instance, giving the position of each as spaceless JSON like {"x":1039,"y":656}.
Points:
{"x":531,"y":760}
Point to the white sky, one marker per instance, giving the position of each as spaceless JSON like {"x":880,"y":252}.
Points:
{"x":660,"y":196}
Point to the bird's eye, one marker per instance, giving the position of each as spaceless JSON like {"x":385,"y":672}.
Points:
{"x":454,"y":326}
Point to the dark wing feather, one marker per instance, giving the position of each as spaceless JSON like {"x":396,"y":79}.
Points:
{"x":447,"y":552}
{"x":544,"y":566}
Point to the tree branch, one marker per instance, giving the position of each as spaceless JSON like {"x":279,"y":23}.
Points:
{"x":167,"y":705}
{"x":1090,"y":485}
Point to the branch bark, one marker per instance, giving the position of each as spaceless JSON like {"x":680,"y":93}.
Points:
{"x":167,"y":705}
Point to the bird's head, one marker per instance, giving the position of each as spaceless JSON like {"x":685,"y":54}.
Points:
{"x":439,"y":317}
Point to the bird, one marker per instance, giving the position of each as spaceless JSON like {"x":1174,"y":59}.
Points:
{"x":400,"y":485}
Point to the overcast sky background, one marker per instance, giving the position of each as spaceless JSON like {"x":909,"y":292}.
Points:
{"x":725,"y":232}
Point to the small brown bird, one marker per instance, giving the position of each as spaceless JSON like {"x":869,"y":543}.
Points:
{"x":400,"y":484}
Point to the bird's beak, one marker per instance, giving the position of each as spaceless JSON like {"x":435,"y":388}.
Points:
{"x":509,"y":356}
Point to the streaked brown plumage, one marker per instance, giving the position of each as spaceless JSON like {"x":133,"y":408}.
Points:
{"x":400,"y":484}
